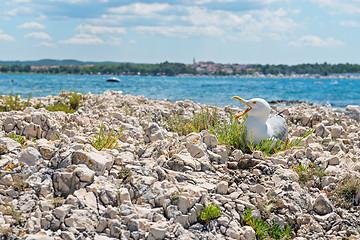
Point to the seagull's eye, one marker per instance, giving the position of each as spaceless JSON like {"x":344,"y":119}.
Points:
{"x":254,"y":102}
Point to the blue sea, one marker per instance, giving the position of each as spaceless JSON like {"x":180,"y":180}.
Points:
{"x":216,"y":91}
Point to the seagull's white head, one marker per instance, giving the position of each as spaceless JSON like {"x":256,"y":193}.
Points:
{"x":257,"y":107}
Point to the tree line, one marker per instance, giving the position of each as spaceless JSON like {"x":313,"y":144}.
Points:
{"x":161,"y":69}
{"x":323,"y":69}
{"x":173,"y":69}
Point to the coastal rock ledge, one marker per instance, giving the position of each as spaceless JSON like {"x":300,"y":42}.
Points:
{"x":155,"y":182}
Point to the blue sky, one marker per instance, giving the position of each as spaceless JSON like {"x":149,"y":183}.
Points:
{"x":226,"y":31}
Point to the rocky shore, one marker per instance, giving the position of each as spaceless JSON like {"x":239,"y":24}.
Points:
{"x":155,"y":183}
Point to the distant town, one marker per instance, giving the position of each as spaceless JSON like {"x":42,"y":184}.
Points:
{"x":207,"y":68}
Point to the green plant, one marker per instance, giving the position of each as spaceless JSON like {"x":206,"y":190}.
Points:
{"x":130,"y":111}
{"x":101,"y":141}
{"x":19,"y":182}
{"x":60,"y":106}
{"x":174,"y":196}
{"x":69,"y":104}
{"x":58,"y":201}
{"x":125,"y":174}
{"x":264,"y":230}
{"x":74,"y":100}
{"x":201,"y":120}
{"x":309,"y":175}
{"x":234,"y":134}
{"x":20,"y":139}
{"x":344,"y":193}
{"x":15,"y":214}
{"x":211,"y":212}
{"x":5,"y":232}
{"x":14,"y":103}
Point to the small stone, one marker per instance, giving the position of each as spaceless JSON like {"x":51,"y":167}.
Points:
{"x":30,"y":156}
{"x":153,"y":133}
{"x":258,"y":155}
{"x":61,"y":212}
{"x":322,"y":205}
{"x":222,"y":187}
{"x":158,"y":230}
{"x":210,"y":140}
{"x":247,"y":233}
{"x":84,"y":173}
{"x":183,"y":204}
{"x":336,"y":131}
{"x":8,"y":145}
{"x":232,"y":165}
{"x":96,"y":161}
{"x":258,"y":189}
{"x":124,"y":195}
{"x":334,"y":161}
{"x":115,"y":228}
{"x":353,"y":112}
{"x":237,"y":154}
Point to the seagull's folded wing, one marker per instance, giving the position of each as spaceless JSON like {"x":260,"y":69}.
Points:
{"x":277,"y":127}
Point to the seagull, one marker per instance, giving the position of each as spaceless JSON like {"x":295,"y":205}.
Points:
{"x":260,"y":125}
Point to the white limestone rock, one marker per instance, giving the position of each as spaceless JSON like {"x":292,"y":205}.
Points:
{"x":222,"y":187}
{"x":353,"y":112}
{"x":8,"y":145}
{"x":322,"y":205}
{"x":81,"y":220}
{"x":158,"y":230}
{"x":96,"y":161}
{"x":30,"y":156}
{"x":153,"y":133}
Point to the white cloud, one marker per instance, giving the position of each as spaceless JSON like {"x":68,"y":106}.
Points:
{"x":141,"y":8}
{"x":38,"y":35}
{"x":250,"y":26}
{"x":6,"y":37}
{"x":340,"y":6}
{"x":350,"y":24}
{"x":31,"y":25}
{"x":71,"y":1}
{"x":100,"y":29}
{"x":167,"y":20}
{"x":47,"y":44}
{"x":19,"y":11}
{"x":315,"y":41}
{"x":180,"y":31}
{"x":80,"y":39}
{"x":18,"y":1}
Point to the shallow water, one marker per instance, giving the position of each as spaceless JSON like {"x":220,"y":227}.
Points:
{"x":208,"y":90}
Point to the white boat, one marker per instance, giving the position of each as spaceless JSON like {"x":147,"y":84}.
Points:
{"x":113,"y":79}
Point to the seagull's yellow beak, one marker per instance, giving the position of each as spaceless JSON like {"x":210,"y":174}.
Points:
{"x":244,"y":102}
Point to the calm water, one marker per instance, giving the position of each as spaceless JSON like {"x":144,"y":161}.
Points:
{"x":209,"y":90}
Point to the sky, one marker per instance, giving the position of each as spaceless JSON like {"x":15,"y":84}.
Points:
{"x":223,"y":31}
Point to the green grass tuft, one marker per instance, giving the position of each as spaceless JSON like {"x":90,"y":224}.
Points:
{"x":264,"y":230}
{"x":344,"y":193}
{"x":309,"y":175}
{"x":125,"y":174}
{"x":234,"y":134}
{"x":14,"y":103}
{"x":211,"y":212}
{"x":101,"y":140}
{"x":20,"y":139}
{"x":69,"y":104}
{"x":202,"y":120}
{"x":15,"y":214}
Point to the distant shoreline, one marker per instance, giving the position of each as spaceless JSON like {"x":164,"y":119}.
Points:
{"x":198,"y":75}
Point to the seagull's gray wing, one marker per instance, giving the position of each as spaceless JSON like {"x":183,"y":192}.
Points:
{"x":278,"y":127}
